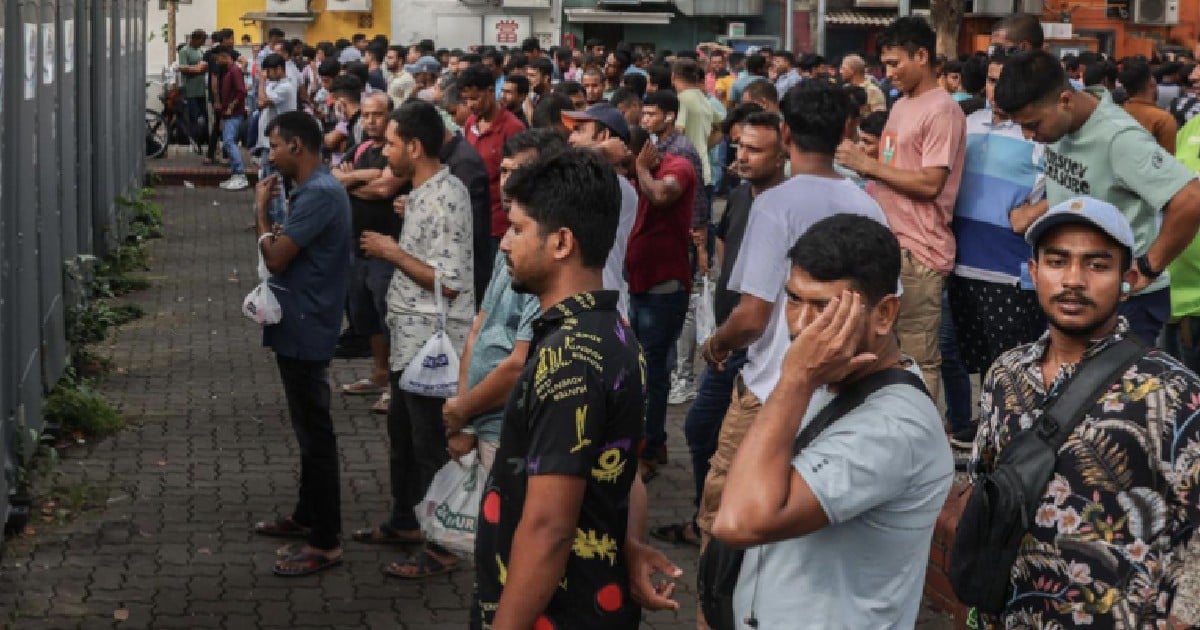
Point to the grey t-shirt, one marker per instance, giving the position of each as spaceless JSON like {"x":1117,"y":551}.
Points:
{"x":881,"y":473}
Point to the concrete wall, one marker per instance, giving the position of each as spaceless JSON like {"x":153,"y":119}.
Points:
{"x":189,"y":17}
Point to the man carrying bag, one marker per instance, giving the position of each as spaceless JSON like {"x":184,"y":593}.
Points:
{"x":1088,"y":456}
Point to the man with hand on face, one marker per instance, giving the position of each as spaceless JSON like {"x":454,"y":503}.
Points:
{"x":372,"y":187}
{"x":435,"y":242}
{"x":1094,"y":148}
{"x":846,"y":521}
{"x":308,"y":257}
{"x":559,"y":542}
{"x":1113,"y":540}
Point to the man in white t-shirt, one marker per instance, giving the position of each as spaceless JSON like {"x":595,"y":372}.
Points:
{"x":815,"y":114}
{"x":276,"y":95}
{"x":839,"y":533}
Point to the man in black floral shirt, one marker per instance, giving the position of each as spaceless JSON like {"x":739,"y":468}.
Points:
{"x":1114,"y":542}
{"x":552,"y":540}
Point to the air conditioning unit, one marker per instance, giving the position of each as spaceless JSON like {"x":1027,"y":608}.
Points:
{"x":1033,"y":7}
{"x":875,"y":4}
{"x":287,"y":6}
{"x":988,"y":7}
{"x":348,"y":5}
{"x":1156,"y":12}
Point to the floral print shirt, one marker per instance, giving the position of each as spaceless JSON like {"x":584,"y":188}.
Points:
{"x":436,"y":231}
{"x":1112,"y":544}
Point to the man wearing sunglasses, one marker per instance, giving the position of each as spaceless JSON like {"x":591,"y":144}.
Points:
{"x":1016,"y":33}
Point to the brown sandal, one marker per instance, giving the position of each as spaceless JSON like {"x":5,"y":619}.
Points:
{"x":281,"y":527}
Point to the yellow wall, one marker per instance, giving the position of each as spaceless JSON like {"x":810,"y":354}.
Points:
{"x":328,"y":26}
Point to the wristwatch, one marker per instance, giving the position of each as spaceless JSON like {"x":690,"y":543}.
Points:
{"x":1144,"y":268}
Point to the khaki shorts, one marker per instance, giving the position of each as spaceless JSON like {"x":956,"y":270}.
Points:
{"x":743,"y":409}
{"x":920,"y":318}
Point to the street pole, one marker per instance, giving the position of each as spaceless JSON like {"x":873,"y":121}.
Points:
{"x":789,"y":37}
{"x":822,"y":9}
{"x":171,"y":6}
{"x":904,"y":8}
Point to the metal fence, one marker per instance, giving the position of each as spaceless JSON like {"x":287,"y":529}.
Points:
{"x":72,"y":137}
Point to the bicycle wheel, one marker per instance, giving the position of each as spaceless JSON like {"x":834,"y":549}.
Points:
{"x":157,"y":134}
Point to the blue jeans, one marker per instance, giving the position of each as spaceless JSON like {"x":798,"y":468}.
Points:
{"x":702,"y":426}
{"x":229,"y":139}
{"x":656,"y":319}
{"x":956,"y":383}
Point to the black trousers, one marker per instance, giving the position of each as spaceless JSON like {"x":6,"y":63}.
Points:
{"x":417,"y":450}
{"x":319,"y":507}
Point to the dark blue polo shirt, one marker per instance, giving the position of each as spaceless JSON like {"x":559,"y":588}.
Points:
{"x":312,"y":290}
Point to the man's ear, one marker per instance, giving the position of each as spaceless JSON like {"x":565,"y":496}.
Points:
{"x":882,"y":318}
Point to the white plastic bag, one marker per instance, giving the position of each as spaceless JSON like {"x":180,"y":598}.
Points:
{"x":706,"y":318}
{"x":450,"y":510}
{"x":260,"y":304}
{"x":434,"y":371}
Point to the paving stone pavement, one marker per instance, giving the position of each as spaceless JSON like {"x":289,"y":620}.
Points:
{"x":209,"y":450}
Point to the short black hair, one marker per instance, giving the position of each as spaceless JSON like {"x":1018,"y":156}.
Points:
{"x":327,"y":48}
{"x":850,"y":247}
{"x":1028,"y":78}
{"x":666,"y":100}
{"x":401,"y":51}
{"x":519,"y":80}
{"x":786,"y":54}
{"x":688,"y":70}
{"x":420,"y":121}
{"x":660,"y":76}
{"x":377,"y":50}
{"x":756,"y":64}
{"x":687,"y":54}
{"x":358,"y":37}
{"x":816,"y":114}
{"x":911,"y":34}
{"x":329,"y":68}
{"x":471,"y":58}
{"x":858,"y":96}
{"x":297,"y":125}
{"x":577,"y":190}
{"x":545,"y":141}
{"x":275,"y":32}
{"x":738,"y":115}
{"x":341,"y":43}
{"x":622,"y":57}
{"x":874,"y":123}
{"x":347,"y":85}
{"x":516,"y":62}
{"x":426,"y":46}
{"x":357,"y":69}
{"x":623,"y":95}
{"x":1103,"y":71}
{"x":543,"y":66}
{"x":1022,"y":27}
{"x":1135,"y":74}
{"x":763,"y":119}
{"x":593,"y":42}
{"x":562,"y":54}
{"x":568,"y":88}
{"x":762,"y":90}
{"x":531,"y":44}
{"x":548,"y":113}
{"x":272,"y":60}
{"x":974,"y":74}
{"x":477,"y":76}
{"x":635,"y":82}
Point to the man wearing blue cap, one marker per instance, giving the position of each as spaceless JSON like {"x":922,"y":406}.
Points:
{"x":1109,"y":544}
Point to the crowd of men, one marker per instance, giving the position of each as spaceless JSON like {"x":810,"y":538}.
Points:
{"x":552,"y":214}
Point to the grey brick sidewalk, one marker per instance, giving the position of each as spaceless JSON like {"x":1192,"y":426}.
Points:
{"x":209,"y":451}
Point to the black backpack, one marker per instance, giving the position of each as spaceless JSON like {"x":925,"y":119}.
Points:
{"x":720,"y":564}
{"x":1003,"y":503}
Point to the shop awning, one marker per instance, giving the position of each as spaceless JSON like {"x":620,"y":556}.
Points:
{"x":598,"y":16}
{"x":861,"y":19}
{"x":267,"y":16}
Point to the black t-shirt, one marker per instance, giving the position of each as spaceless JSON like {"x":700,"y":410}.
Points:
{"x":216,"y":69}
{"x":375,"y":80}
{"x":464,"y":163}
{"x":731,"y":229}
{"x":366,"y":214}
{"x":577,"y":410}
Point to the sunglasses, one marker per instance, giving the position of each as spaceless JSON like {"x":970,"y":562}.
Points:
{"x":1001,"y":49}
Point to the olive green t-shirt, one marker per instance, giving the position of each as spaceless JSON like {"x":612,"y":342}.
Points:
{"x":192,"y":84}
{"x":1112,"y":158}
{"x":695,"y":118}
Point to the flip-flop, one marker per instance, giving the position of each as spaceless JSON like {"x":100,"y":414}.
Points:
{"x":676,"y":534}
{"x":282,"y":527}
{"x":306,"y":564}
{"x":384,"y":536}
{"x":425,"y":564}
{"x":362,"y":387}
{"x":381,"y":406}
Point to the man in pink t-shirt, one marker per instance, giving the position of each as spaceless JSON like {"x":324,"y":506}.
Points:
{"x":916,"y":182}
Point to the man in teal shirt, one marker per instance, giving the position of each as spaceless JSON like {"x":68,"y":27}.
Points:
{"x":1094,"y":148}
{"x":494,"y":357}
{"x":194,"y":70}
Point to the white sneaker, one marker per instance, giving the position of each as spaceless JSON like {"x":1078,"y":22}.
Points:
{"x":681,"y":392}
{"x":235,"y":182}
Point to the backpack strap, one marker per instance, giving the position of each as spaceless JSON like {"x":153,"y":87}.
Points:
{"x":851,"y":397}
{"x":1093,"y":378}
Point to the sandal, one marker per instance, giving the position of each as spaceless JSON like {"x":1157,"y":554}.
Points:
{"x":303,"y":563}
{"x":677,"y":534}
{"x":281,"y":527}
{"x":383,"y":535}
{"x":381,"y":406}
{"x":421,"y":565}
{"x":362,"y":387}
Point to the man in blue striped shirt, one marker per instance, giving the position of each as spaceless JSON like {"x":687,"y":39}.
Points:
{"x":991,"y":302}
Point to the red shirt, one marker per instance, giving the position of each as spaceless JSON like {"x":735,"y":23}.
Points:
{"x":658,"y":244}
{"x":490,"y":145}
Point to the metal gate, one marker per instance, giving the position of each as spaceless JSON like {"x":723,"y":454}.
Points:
{"x":71,"y":140}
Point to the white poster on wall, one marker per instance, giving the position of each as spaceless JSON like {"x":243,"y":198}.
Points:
{"x":47,"y":53}
{"x":505,"y":30}
{"x":122,"y":28}
{"x":68,"y":39}
{"x":31,"y":60}
{"x":106,"y":43}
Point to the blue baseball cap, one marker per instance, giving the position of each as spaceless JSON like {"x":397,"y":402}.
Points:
{"x":603,"y":113}
{"x":1088,"y":211}
{"x":424,"y":64}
